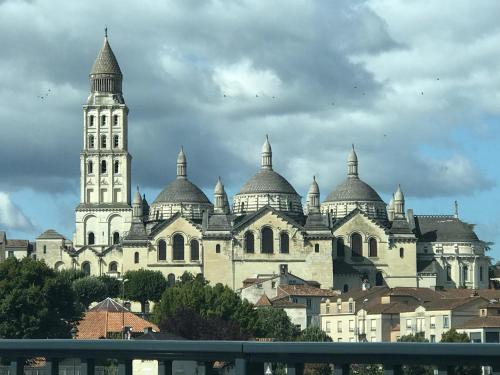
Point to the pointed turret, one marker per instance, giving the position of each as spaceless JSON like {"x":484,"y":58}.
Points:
{"x":137,"y":210}
{"x":106,"y":75}
{"x":181,"y":165}
{"x":220,"y":198}
{"x":313,"y":201}
{"x":390,"y":209}
{"x":399,"y":203}
{"x":352,"y":164}
{"x":267,"y":155}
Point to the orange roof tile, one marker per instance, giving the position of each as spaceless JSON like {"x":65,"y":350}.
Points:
{"x":263,"y":301}
{"x":98,"y":324}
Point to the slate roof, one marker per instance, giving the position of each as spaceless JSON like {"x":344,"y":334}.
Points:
{"x":427,"y":266}
{"x":481,"y":322}
{"x":443,"y":229}
{"x":400,"y":226}
{"x":219,"y":222}
{"x":267,"y":181}
{"x":137,"y":234}
{"x":316,"y":221}
{"x":50,"y":234}
{"x":181,"y":191}
{"x":106,"y":62}
{"x":353,"y":189}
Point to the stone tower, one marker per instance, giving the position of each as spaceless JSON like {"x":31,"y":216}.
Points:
{"x":104,"y":213}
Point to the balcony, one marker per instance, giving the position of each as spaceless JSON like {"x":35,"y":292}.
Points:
{"x":248,"y":358}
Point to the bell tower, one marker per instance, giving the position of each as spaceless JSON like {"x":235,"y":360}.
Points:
{"x":104,"y":212}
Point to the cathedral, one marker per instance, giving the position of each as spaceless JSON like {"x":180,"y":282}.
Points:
{"x":350,"y":238}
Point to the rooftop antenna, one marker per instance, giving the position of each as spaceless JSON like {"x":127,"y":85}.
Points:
{"x":456,"y":209}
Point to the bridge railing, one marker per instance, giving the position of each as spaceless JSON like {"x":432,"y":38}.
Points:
{"x":247,"y":357}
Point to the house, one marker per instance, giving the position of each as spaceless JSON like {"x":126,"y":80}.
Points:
{"x":485,"y":327}
{"x":14,"y":248}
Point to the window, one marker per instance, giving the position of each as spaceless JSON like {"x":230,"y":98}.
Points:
{"x":373,"y":325}
{"x":433,"y":338}
{"x":372,"y":248}
{"x":178,"y":247}
{"x":273,"y":284}
{"x":339,"y":307}
{"x":379,"y":279}
{"x":162,"y":250}
{"x":308,"y":303}
{"x":356,"y":245}
{"x":267,"y":246}
{"x":327,"y":308}
{"x":448,"y":273}
{"x":339,"y":326}
{"x":249,"y":242}
{"x":316,"y":248}
{"x":10,"y":254}
{"x":116,"y":141}
{"x":284,"y":243}
{"x":90,"y":238}
{"x":401,"y":252}
{"x":242,"y":207}
{"x":217,"y":249}
{"x":90,"y":167}
{"x":195,"y":250}
{"x":295,"y":300}
{"x":103,"y":120}
{"x":136,"y":257}
{"x":113,"y":267}
{"x":345,"y":289}
{"x":116,"y":167}
{"x":91,"y":141}
{"x":115,"y":120}
{"x":104,"y":168}
{"x":327,"y":327}
{"x":171,"y":279}
{"x":351,"y":307}
{"x":351,"y":325}
{"x":465,"y":271}
{"x":290,"y":206}
{"x":408,"y":324}
{"x":433,"y":322}
{"x":116,"y":238}
{"x":45,"y":249}
{"x":104,"y":141}
{"x":91,"y":120}
{"x":420,"y":324}
{"x":481,"y":273}
{"x":340,"y":248}
{"x":86,"y":268}
{"x":446,"y":322}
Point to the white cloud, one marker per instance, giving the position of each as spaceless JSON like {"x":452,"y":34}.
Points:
{"x":11,"y":216}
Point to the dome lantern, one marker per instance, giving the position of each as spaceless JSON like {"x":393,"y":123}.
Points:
{"x":352,"y":164}
{"x":181,"y":165}
{"x":313,"y":202}
{"x":267,"y":155}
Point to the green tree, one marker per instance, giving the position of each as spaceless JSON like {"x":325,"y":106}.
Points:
{"x":113,"y":285}
{"x":70,"y":275}
{"x":34,"y":301}
{"x":274,"y":323}
{"x":416,"y":369}
{"x":89,"y":289}
{"x":144,"y":285}
{"x":453,"y":336}
{"x":315,"y":334}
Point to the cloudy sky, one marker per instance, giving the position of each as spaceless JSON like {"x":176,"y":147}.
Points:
{"x":415,"y":85}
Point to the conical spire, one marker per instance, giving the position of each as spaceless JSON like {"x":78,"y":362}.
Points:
{"x":313,"y":204}
{"x":390,"y":209}
{"x":137,"y":210}
{"x":399,"y":203}
{"x":267,"y":155}
{"x":219,"y":188}
{"x":106,"y":75}
{"x":181,"y":165}
{"x":352,"y":164}
{"x":220,"y":197}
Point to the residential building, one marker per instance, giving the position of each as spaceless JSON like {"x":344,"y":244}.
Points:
{"x":14,"y":248}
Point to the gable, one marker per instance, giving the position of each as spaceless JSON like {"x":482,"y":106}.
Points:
{"x":176,"y":224}
{"x":358,"y":222}
{"x":273,"y":219}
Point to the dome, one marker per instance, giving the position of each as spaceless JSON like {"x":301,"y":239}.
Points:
{"x":353,"y":190}
{"x":181,"y":191}
{"x":267,"y":181}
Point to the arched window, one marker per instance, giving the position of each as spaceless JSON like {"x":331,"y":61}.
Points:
{"x":116,"y":167}
{"x":90,"y":238}
{"x":217,"y":249}
{"x":481,"y":273}
{"x":136,"y":257}
{"x":284,"y":243}
{"x":103,"y":141}
{"x":91,"y":141}
{"x":90,"y":167}
{"x":242,"y":207}
{"x":401,"y":252}
{"x":448,"y":273}
{"x":267,"y":241}
{"x":178,"y":247}
{"x":340,"y":247}
{"x":86,"y":268}
{"x":290,"y":206}
{"x":115,"y":120}
{"x":345,"y":289}
{"x":316,"y":248}
{"x":171,"y":279}
{"x":372,"y":247}
{"x":249,"y":242}
{"x":379,"y":279}
{"x":162,"y":250}
{"x":116,"y":238}
{"x":465,"y":271}
{"x":104,"y":167}
{"x":195,"y":250}
{"x":113,"y":267}
{"x":91,"y":120}
{"x":103,"y":120}
{"x":116,"y":141}
{"x":356,"y":245}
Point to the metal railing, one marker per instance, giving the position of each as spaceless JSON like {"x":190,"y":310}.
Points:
{"x":247,"y":357}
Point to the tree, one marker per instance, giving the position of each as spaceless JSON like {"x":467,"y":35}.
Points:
{"x":416,"y":369}
{"x":274,"y":323}
{"x":113,"y":285}
{"x":34,"y":301}
{"x":144,"y":285}
{"x":453,"y":336}
{"x":70,"y":275}
{"x":315,"y":334}
{"x":90,"y":289}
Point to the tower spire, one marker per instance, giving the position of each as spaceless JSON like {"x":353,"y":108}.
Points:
{"x":106,"y":75}
{"x":220,"y":197}
{"x":181,"y":165}
{"x":352,"y":164}
{"x":399,"y":203}
{"x":313,"y":197}
{"x":267,"y":155}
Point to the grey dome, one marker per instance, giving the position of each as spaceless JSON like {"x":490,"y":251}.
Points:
{"x":106,"y":62}
{"x":353,"y":189}
{"x":181,"y":191}
{"x":267,"y":181}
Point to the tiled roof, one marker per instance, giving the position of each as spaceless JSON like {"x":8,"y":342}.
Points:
{"x":105,"y":62}
{"x":464,"y":293}
{"x":443,"y":229}
{"x":50,"y":234}
{"x":109,"y":305}
{"x":17,"y":243}
{"x":423,"y":294}
{"x":390,"y":308}
{"x":263,"y":301}
{"x":254,"y":280}
{"x":450,"y":303}
{"x":481,"y":322}
{"x":267,"y":181}
{"x":181,"y":191}
{"x":360,"y":295}
{"x":354,"y":190}
{"x":305,"y":290}
{"x":285,"y":303}
{"x":98,"y":324}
